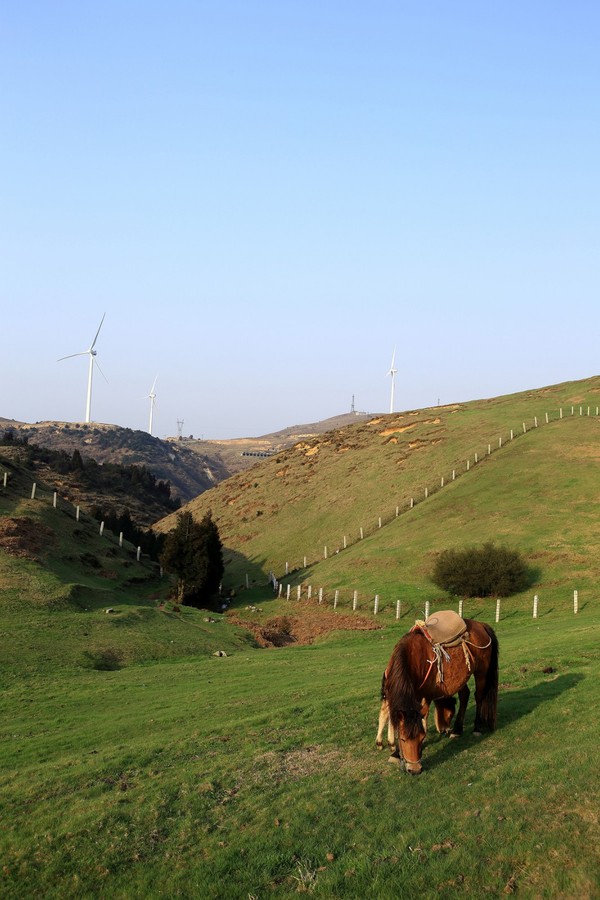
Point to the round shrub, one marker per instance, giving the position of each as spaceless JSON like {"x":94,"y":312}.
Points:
{"x":481,"y":571}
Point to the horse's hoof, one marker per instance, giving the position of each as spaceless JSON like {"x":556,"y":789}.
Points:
{"x":379,"y":746}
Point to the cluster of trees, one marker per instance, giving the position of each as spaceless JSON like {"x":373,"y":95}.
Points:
{"x":193,"y":552}
{"x":487,"y":571}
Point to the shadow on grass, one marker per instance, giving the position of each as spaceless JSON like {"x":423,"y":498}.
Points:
{"x":514,"y":705}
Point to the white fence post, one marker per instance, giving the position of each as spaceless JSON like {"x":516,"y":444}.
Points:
{"x":546,"y":418}
{"x":498,"y":609}
{"x":354,"y":601}
{"x":5,"y":478}
{"x":325,"y":552}
{"x":397,"y":511}
{"x":468,"y":465}
{"x":77,"y":514}
{"x":524,"y":428}
{"x":442,"y":481}
{"x":561,"y":412}
{"x":476,"y":458}
{"x":535,"y":421}
{"x":287,"y":591}
{"x":335,"y":599}
{"x":499,"y":441}
{"x":309,"y":592}
{"x":489,"y":449}
{"x":397,"y":609}
{"x":298,"y":592}
{"x":139,"y":553}
{"x":54,"y":497}
{"x":345,"y":542}
{"x":427,"y":609}
{"x":426,"y":493}
{"x":304,"y":563}
{"x":120,"y":539}
{"x":361,"y":533}
{"x":101,"y":528}
{"x":575,"y":602}
{"x":280,"y":590}
{"x":287,"y":568}
{"x":412,"y":502}
{"x":453,"y":474}
{"x":535,"y":606}
{"x":379,"y":521}
{"x":376,"y":605}
{"x":460,"y":608}
{"x":320,"y":595}
{"x":511,"y":434}
{"x":33,"y":487}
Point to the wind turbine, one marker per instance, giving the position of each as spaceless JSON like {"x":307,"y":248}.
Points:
{"x":151,"y":397}
{"x":393,"y":372}
{"x":91,"y":353}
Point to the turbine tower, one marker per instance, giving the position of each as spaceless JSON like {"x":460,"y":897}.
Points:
{"x":393,"y":372}
{"x":151,"y":397}
{"x":92,"y":354}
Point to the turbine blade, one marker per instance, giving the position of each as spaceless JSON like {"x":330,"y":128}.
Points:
{"x":71,"y":355}
{"x":99,"y":369}
{"x":97,"y":333}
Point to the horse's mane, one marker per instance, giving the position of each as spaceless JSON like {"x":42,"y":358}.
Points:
{"x":400,"y":686}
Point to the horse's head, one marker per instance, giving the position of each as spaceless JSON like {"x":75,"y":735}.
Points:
{"x":411,"y":734}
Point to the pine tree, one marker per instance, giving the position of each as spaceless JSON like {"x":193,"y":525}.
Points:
{"x":193,"y":553}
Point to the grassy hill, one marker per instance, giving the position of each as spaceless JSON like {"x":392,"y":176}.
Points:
{"x":538,"y":492}
{"x":135,"y":763}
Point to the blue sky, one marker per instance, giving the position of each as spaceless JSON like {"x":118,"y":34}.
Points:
{"x":266,"y":197}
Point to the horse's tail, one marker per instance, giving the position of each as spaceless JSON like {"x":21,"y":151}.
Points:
{"x":489,"y":702}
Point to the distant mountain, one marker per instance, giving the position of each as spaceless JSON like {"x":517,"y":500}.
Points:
{"x":189,"y":473}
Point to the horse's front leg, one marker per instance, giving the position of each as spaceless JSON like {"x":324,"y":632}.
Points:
{"x":425,"y":713}
{"x":384,"y":720}
{"x":463,"y":699}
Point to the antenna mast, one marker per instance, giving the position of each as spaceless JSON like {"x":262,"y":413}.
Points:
{"x":179,"y":429}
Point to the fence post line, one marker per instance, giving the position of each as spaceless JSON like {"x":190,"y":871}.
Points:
{"x":498,"y":609}
{"x":535,"y":606}
{"x":575,"y":602}
{"x":397,"y":609}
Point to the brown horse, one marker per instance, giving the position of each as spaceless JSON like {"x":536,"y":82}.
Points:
{"x":412,"y":683}
{"x":445,"y":707}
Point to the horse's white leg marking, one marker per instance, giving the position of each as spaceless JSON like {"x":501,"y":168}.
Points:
{"x":384,"y":717}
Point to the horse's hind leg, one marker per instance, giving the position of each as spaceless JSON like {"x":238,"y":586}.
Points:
{"x":463,"y":698}
{"x":479,"y":727}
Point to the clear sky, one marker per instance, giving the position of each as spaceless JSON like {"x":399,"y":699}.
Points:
{"x":267,"y":196}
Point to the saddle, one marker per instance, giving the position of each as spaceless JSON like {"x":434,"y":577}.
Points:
{"x":443,"y":629}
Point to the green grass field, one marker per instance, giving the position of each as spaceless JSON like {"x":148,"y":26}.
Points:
{"x":256,"y":775}
{"x":135,"y":763}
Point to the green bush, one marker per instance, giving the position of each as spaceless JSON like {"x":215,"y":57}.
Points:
{"x":486,"y":571}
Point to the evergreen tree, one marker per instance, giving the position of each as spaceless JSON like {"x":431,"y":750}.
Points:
{"x":193,"y":553}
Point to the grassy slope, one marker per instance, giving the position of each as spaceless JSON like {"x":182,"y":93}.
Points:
{"x":316,"y":493}
{"x":256,"y":775}
{"x":187,"y":775}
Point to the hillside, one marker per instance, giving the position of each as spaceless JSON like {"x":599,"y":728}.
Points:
{"x":188,"y":473}
{"x":315,"y":494}
{"x":229,"y":457}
